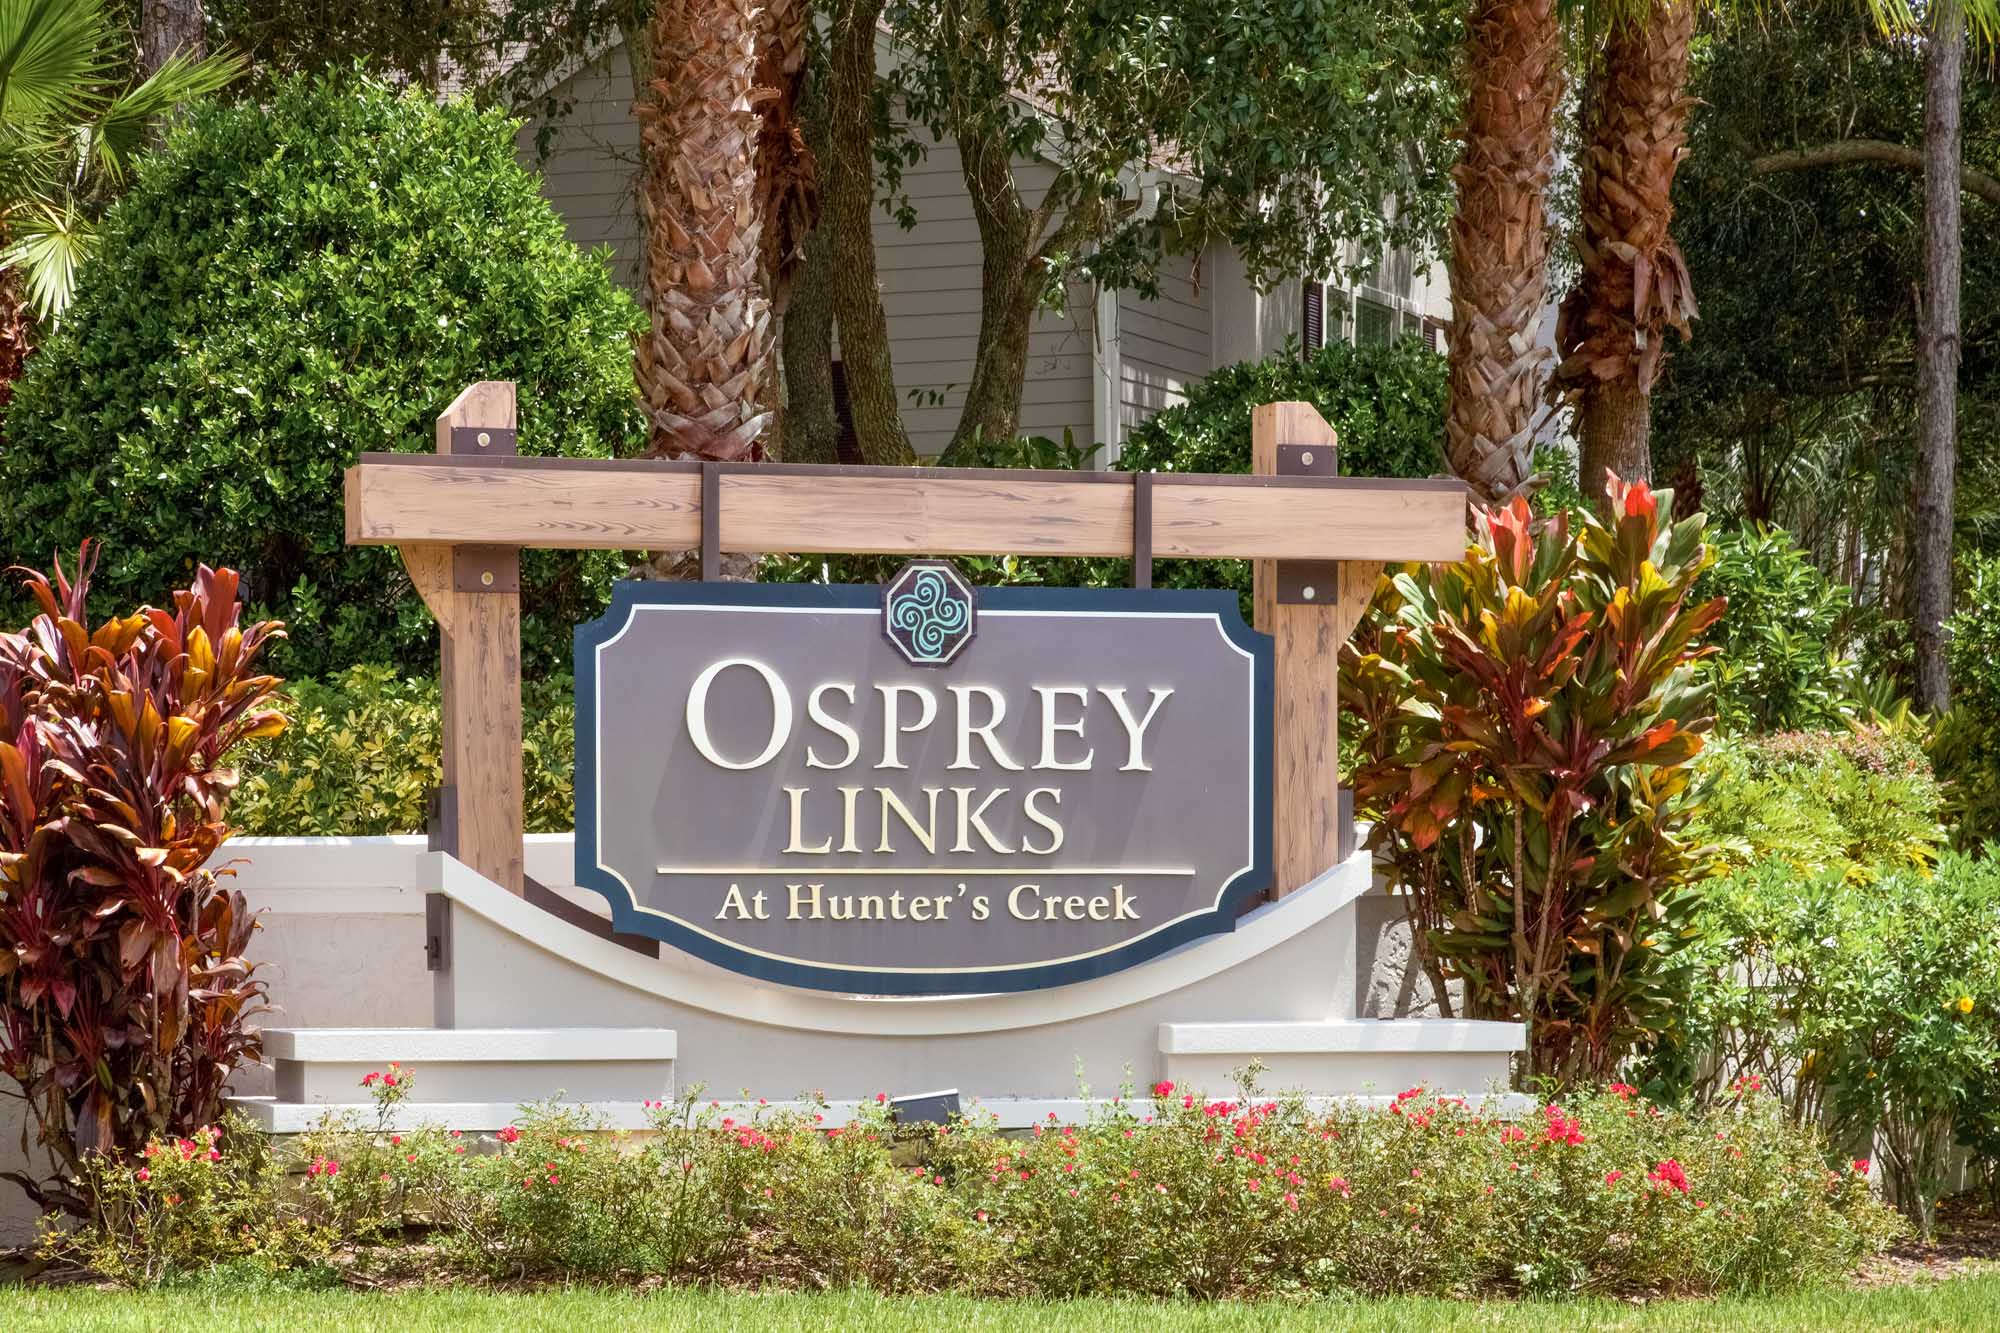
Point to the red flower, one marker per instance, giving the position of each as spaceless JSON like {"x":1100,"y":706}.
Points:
{"x":509,"y":1135}
{"x":1613,"y":1177}
{"x":1861,"y":1165}
{"x":1164,"y":1088}
{"x":1624,"y":1091}
{"x":369,"y":1080}
{"x":1669,"y":1173}
{"x":142,"y":1174}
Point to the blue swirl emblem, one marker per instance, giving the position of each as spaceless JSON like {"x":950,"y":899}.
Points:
{"x":928,"y":613}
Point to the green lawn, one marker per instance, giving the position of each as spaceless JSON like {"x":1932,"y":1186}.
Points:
{"x":1971,"y":1304}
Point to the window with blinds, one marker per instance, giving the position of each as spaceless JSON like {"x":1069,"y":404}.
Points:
{"x":1312,"y":320}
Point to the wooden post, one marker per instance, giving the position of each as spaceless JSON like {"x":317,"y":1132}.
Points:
{"x":1318,"y":609}
{"x":475,"y":594}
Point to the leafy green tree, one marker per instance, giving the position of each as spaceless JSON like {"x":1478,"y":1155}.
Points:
{"x":1278,"y":125}
{"x":284,"y":287}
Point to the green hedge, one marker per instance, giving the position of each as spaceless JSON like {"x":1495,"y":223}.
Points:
{"x":1859,"y":804}
{"x":285,"y":286}
{"x":364,"y":751}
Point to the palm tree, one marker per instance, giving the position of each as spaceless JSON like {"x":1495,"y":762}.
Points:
{"x":1633,"y":284}
{"x":1499,"y":240}
{"x":71,"y":121}
{"x":702,"y":366}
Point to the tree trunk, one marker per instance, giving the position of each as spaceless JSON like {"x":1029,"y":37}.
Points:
{"x":992,"y":410}
{"x":1499,"y":241}
{"x":170,"y":27}
{"x":1633,"y":283}
{"x":812,"y":427}
{"x":1937,"y":355}
{"x":1614,"y":429}
{"x":787,"y":189}
{"x":702,"y":365}
{"x":847,"y":203}
{"x":14,"y":341}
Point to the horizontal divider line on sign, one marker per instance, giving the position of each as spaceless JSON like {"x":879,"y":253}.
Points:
{"x":655,"y":504}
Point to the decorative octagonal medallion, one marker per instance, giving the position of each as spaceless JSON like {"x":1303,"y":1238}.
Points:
{"x":929,"y":612}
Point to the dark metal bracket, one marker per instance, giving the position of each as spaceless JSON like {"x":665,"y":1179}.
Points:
{"x":485,"y":441}
{"x":1142,"y":529}
{"x":486,"y":568}
{"x":711,"y":521}
{"x":1308,"y":582}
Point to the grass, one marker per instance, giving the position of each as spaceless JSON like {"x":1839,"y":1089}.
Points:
{"x":1966,"y":1303}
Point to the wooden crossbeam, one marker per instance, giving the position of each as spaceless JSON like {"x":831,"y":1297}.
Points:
{"x":412,"y":499}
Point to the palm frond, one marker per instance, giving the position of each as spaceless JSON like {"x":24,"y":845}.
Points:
{"x":53,"y":55}
{"x":49,"y":245}
{"x":121,"y":130}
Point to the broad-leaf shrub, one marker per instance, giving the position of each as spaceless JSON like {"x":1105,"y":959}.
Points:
{"x":124,"y":992}
{"x":1386,"y":404}
{"x":287,"y":284}
{"x":1782,"y":664}
{"x":365,"y":749}
{"x":1966,"y":747}
{"x":1873,"y":1010}
{"x":1176,"y":1196}
{"x":1527,"y":718}
{"x":1862,"y":802}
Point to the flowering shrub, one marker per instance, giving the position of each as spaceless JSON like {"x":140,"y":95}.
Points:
{"x":1181,"y":1195}
{"x":1873,"y":1010}
{"x":182,"y":1203}
{"x":1527,"y":717}
{"x":124,"y":992}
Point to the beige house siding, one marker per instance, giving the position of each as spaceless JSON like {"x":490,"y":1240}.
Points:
{"x":592,"y":155}
{"x":1166,"y":344}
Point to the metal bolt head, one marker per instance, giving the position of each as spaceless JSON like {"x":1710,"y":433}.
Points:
{"x":1309,"y":592}
{"x":1306,"y":458}
{"x":486,"y":578}
{"x":486,"y":439}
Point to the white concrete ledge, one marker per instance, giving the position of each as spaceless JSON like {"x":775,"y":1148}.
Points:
{"x":277,"y":1117}
{"x":1361,"y":1035}
{"x":416,"y":1046}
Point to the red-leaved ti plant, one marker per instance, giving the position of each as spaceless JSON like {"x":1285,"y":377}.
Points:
{"x":1527,"y":717}
{"x":124,"y":990}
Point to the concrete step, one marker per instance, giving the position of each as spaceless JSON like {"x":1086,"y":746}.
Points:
{"x":1345,"y":1057}
{"x":471,"y":1078}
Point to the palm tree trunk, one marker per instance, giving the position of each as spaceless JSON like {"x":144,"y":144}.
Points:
{"x":1938,"y":355}
{"x":701,"y":367}
{"x":847,"y":203}
{"x":1499,"y":240}
{"x":787,"y":191}
{"x":14,"y":341}
{"x":1633,"y":284}
{"x":170,"y":27}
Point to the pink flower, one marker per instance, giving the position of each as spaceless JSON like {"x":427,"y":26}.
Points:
{"x":1164,"y":1088}
{"x":1861,"y":1165}
{"x":142,"y":1174}
{"x":881,"y":1097}
{"x":981,"y":1214}
{"x":1292,"y":1202}
{"x":1613,"y":1177}
{"x":388,"y":1080}
{"x":1251,"y":1185}
{"x":1513,"y":1134}
{"x":1669,"y":1173}
{"x":396,"y":1140}
{"x":509,"y":1135}
{"x":370,"y":1080}
{"x":1623,"y":1091}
